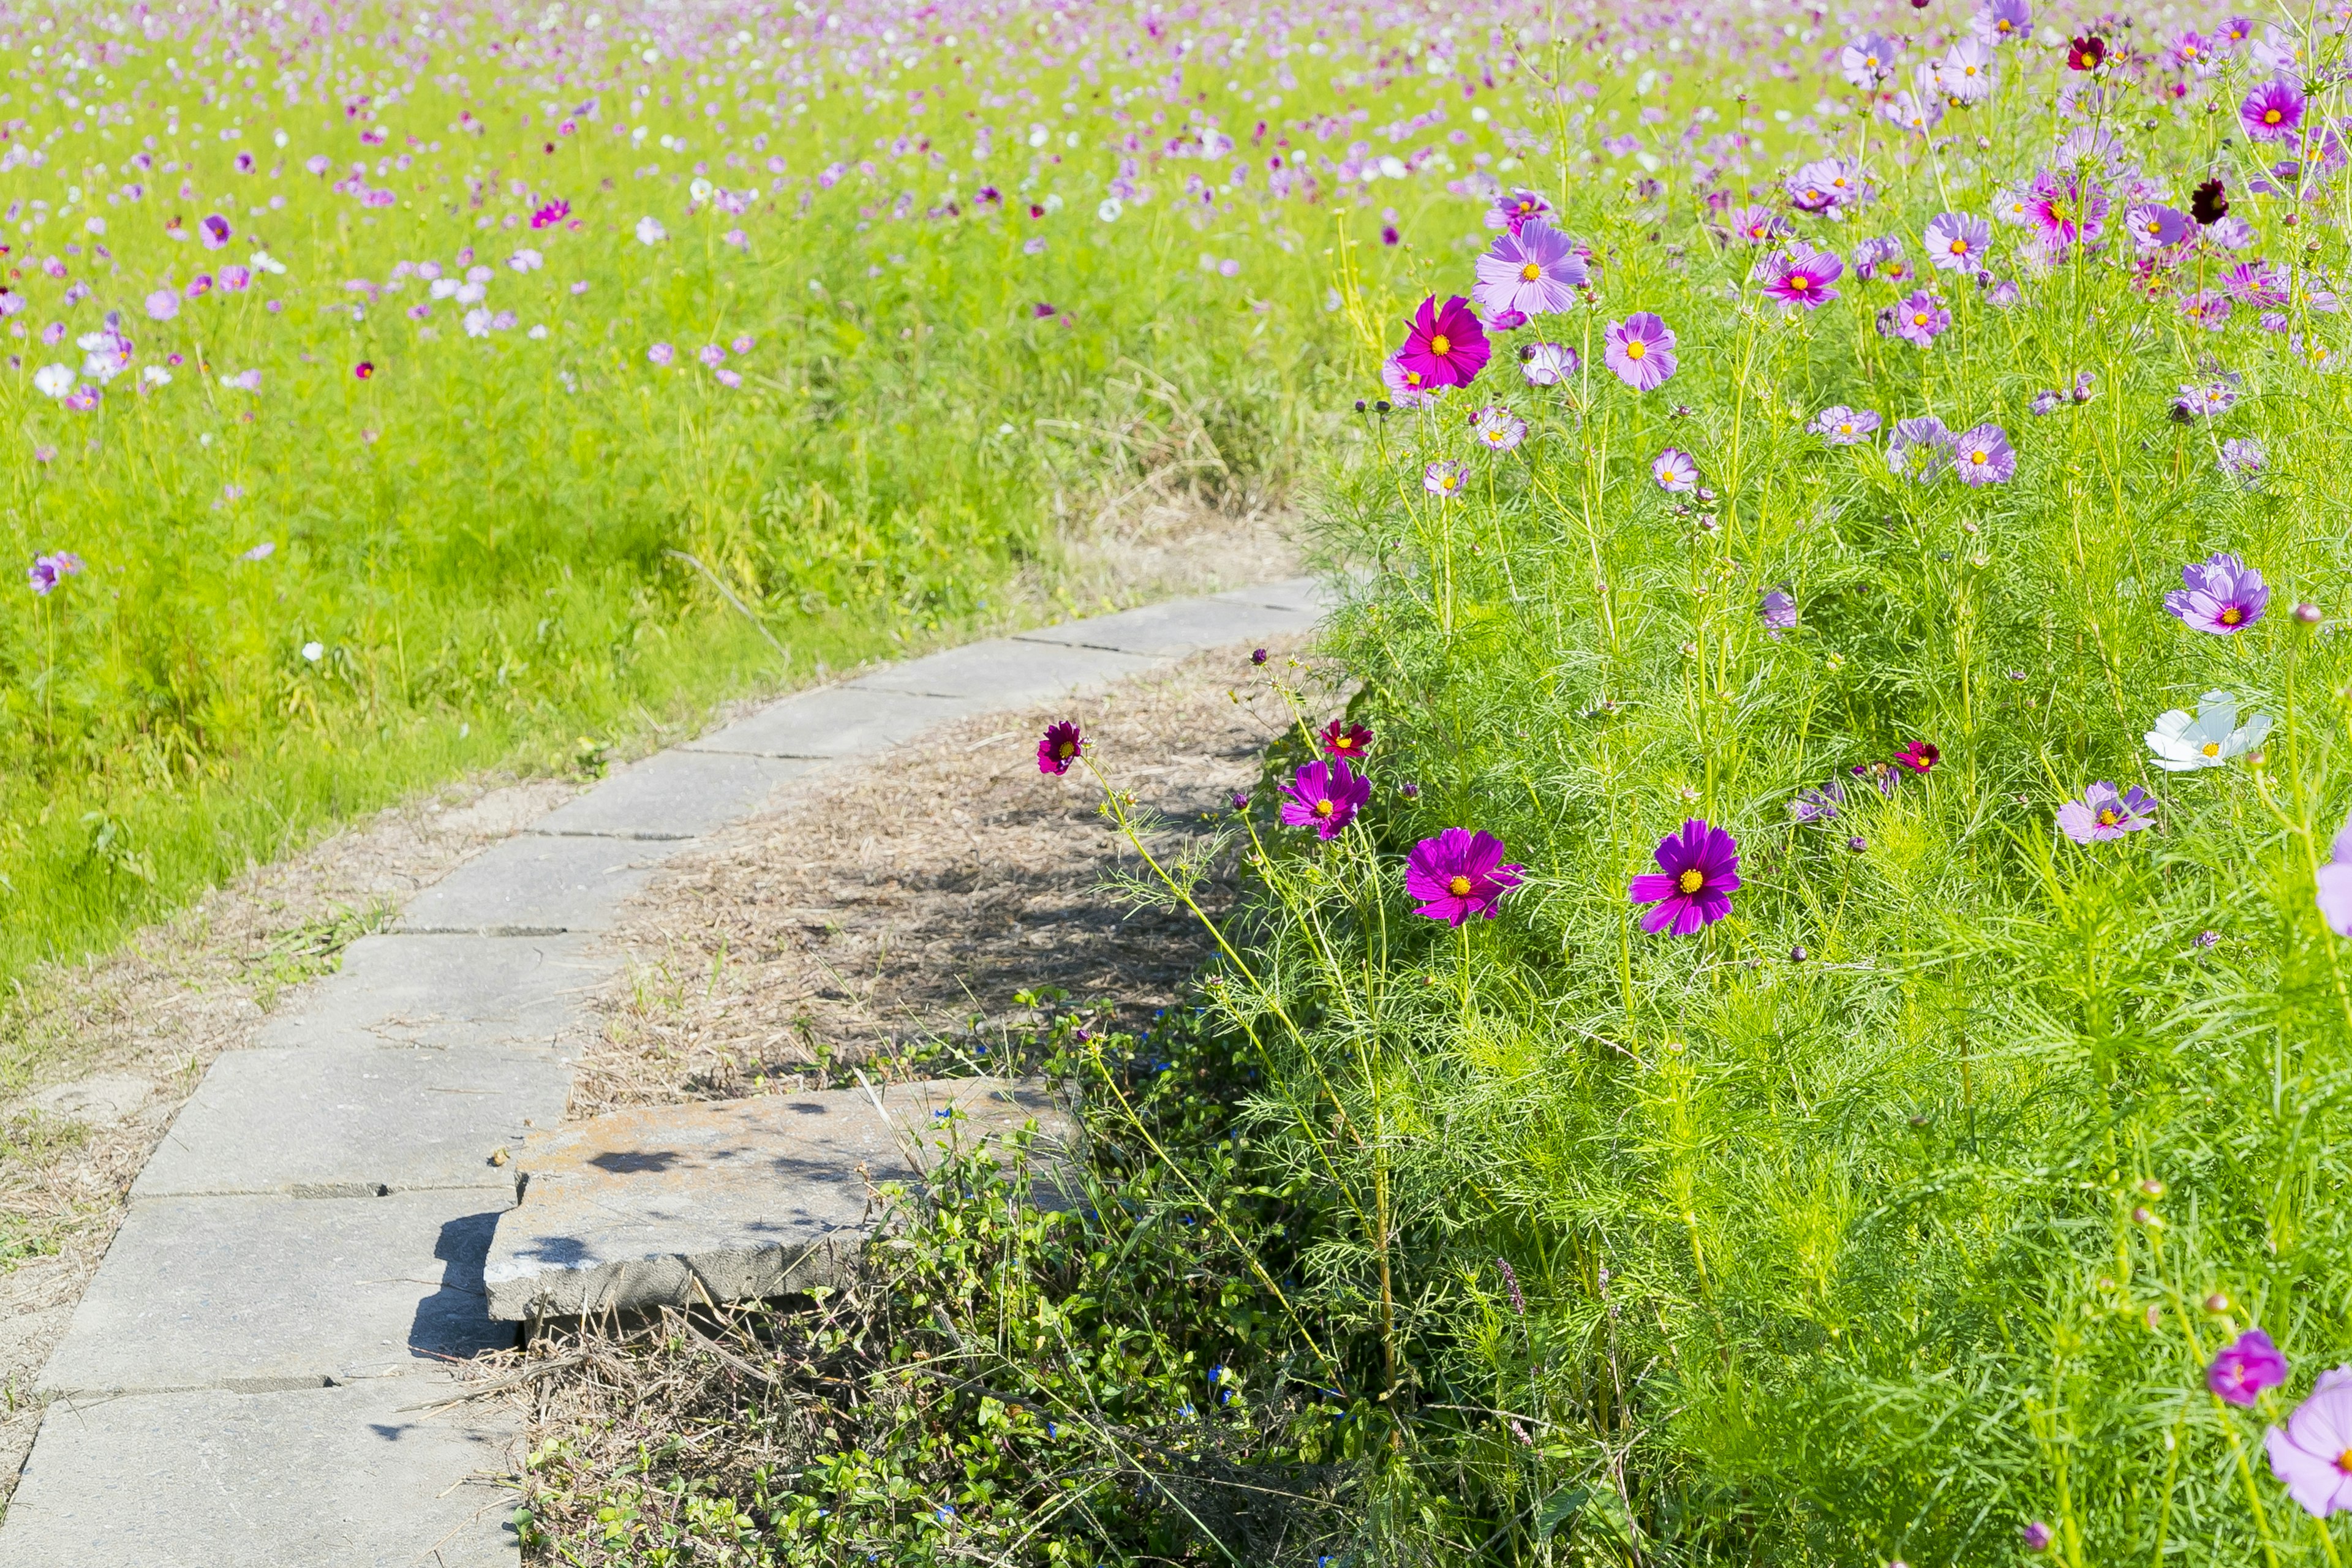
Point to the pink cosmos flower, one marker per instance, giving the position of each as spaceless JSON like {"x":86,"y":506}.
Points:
{"x":550,"y":215}
{"x":1514,"y":208}
{"x":1675,"y":470}
{"x":1698,"y":871}
{"x":2222,"y":595}
{"x":1759,"y":226}
{"x":2310,"y":1455}
{"x":1326,"y":797}
{"x":1918,"y":318}
{"x":2273,"y":111}
{"x":164,"y":304}
{"x":1446,"y":346}
{"x":1533,"y":270}
{"x":1983,"y":455}
{"x":1957,"y":242}
{"x":2244,"y":1367}
{"x":2065,"y":210}
{"x":1801,"y":278}
{"x":2104,"y":815}
{"x":1408,"y":388}
{"x":1062,"y":744}
{"x":1459,"y":874}
{"x":661,"y":354}
{"x":214,"y":231}
{"x":1444,"y":479}
{"x":1641,"y":350}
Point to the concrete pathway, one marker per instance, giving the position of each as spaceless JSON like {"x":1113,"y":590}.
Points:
{"x":256,"y":1373}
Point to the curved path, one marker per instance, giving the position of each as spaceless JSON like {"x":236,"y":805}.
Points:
{"x":255,"y":1375}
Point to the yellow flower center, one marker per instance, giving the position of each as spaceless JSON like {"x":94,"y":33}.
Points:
{"x":1799,"y":282}
{"x":1530,"y":272}
{"x":2108,"y":818}
{"x":1066,"y":749}
{"x":1691,"y":880}
{"x":2212,"y":748}
{"x":2344,"y":1462}
{"x":1412,"y":378}
{"x":1919,"y":318}
{"x":1459,"y":886}
{"x":1441,"y":344}
{"x":2272,"y":117}
{"x":1980,"y":457}
{"x":2232,"y":615}
{"x":1635,"y":347}
{"x":1322,"y":808}
{"x":1959,"y":247}
{"x":1346,"y":743}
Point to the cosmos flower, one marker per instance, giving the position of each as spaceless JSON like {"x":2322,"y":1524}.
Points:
{"x":1828,"y":185}
{"x":1326,"y":797}
{"x":2211,"y":738}
{"x":1641,"y":350}
{"x":2086,"y":53}
{"x":1842,"y":426}
{"x":1446,"y":346}
{"x":1778,"y":611}
{"x":1801,"y":278}
{"x":1514,"y":208}
{"x":1919,"y":318}
{"x":2308,"y":1455}
{"x":48,"y":571}
{"x":1459,"y":874}
{"x":164,"y":304}
{"x":2333,"y":890}
{"x":1532,"y":270}
{"x":550,"y":215}
{"x":1698,"y":871}
{"x":1920,"y":448}
{"x":1965,"y":73}
{"x":1061,"y":746}
{"x":1818,"y":805}
{"x":1982,"y":456}
{"x":2155,"y":227}
{"x":661,"y":354}
{"x":1880,"y":256}
{"x":1867,"y":61}
{"x":1675,"y":470}
{"x":649,"y":231}
{"x":2244,"y":1367}
{"x":1957,"y":242}
{"x":1919,"y":757}
{"x":1497,"y":429}
{"x":2000,"y":21}
{"x":2103,"y":814}
{"x":2223,"y":595}
{"x":2241,"y":457}
{"x":1407,"y":387}
{"x":214,"y":231}
{"x":1341,"y":737}
{"x":2065,"y":210}
{"x":2209,"y":203}
{"x":1547,"y":364}
{"x":1444,"y":479}
{"x":1759,"y":226}
{"x":53,"y":380}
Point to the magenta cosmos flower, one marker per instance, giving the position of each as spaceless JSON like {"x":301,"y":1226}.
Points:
{"x":2311,"y":1457}
{"x":2101,"y":815}
{"x":2223,"y":595}
{"x":1459,"y":874}
{"x":1060,"y":748}
{"x":1641,"y":350}
{"x":1513,"y":210}
{"x":1801,"y":278}
{"x":214,"y":231}
{"x":1532,"y":270}
{"x":2244,"y":1367}
{"x":2065,"y":210}
{"x":1698,"y":869}
{"x":2273,"y":111}
{"x":1446,"y":346}
{"x":1326,"y":797}
{"x":1341,"y":739}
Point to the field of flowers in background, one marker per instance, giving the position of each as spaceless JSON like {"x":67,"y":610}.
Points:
{"x":1847,"y":504}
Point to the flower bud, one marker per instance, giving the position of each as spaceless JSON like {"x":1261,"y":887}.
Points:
{"x":2307,"y":613}
{"x":2038,"y":1536}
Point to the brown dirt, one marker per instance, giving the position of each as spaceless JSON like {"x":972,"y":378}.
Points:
{"x":906,"y":902}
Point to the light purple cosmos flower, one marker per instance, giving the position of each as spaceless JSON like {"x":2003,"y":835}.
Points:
{"x":1698,"y":871}
{"x":48,"y":571}
{"x":1497,"y":429}
{"x":1514,"y":208}
{"x":1675,"y":470}
{"x":1913,"y":112}
{"x":1547,"y":364}
{"x":2335,"y":887}
{"x":2242,"y":458}
{"x":2256,"y":283}
{"x":2223,"y":595}
{"x":2000,"y":21}
{"x":2208,"y":307}
{"x":164,"y":304}
{"x":1326,"y":797}
{"x":2308,"y":1456}
{"x":1459,"y":874}
{"x":2036,"y":1537}
{"x":1957,"y":242}
{"x":1818,"y":805}
{"x":1801,"y":278}
{"x":1867,"y":61}
{"x":1827,"y":185}
{"x":661,"y":354}
{"x":1919,"y":447}
{"x":1641,"y":350}
{"x":1533,"y":270}
{"x":1920,"y":318}
{"x":1444,"y":479}
{"x":711,"y":355}
{"x":1759,"y":226}
{"x":1407,"y":387}
{"x":1842,"y":426}
{"x":2190,"y":51}
{"x":2103,"y":814}
{"x":2155,"y":227}
{"x":1871,"y":257}
{"x":1062,"y":745}
{"x":1777,"y":610}
{"x":2273,"y":111}
{"x":214,"y":231}
{"x":1982,"y":456}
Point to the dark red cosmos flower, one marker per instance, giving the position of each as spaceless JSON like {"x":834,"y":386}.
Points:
{"x":1060,"y":747}
{"x":2086,"y":53}
{"x":2207,"y":205}
{"x":365,"y":369}
{"x":1919,"y":757}
{"x":1344,"y":740}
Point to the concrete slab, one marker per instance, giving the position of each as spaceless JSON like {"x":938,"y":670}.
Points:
{"x":734,"y":1200}
{"x":447,"y":993}
{"x":532,"y":885}
{"x":836,"y":722}
{"x":355,"y":1121}
{"x":1175,"y":630}
{"x":1309,"y":595}
{"x":1004,"y":672}
{"x":255,"y":1294}
{"x":673,"y":794}
{"x":351,"y":1478}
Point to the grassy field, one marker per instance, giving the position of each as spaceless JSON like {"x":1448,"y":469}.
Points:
{"x":374,"y":372}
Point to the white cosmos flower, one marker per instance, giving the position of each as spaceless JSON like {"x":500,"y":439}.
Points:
{"x":650,"y":231}
{"x":155,"y":375}
{"x":53,"y":380}
{"x":2212,"y":738}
